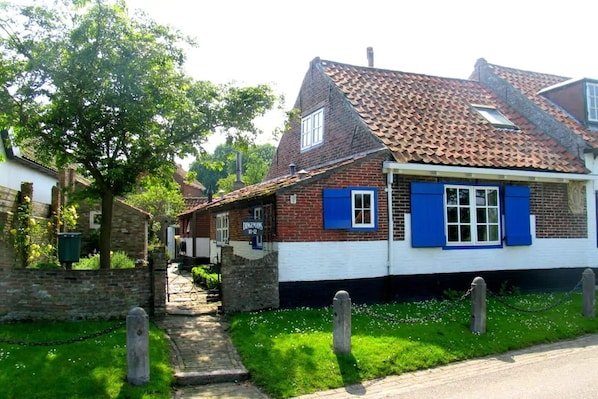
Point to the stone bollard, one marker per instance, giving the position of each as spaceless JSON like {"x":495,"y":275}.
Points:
{"x":138,"y":347}
{"x":478,"y":306}
{"x":589,"y":293}
{"x":341,"y":335}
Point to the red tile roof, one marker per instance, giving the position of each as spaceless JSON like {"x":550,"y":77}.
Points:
{"x":531,"y":83}
{"x":428,"y":119}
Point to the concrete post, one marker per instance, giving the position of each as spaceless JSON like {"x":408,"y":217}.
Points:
{"x":138,"y":347}
{"x":589,"y":293}
{"x":478,"y":306}
{"x":341,"y":335}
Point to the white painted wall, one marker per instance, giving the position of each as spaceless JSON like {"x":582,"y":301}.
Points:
{"x":202,"y":247}
{"x":12,"y":174}
{"x":240,"y":248}
{"x":313,"y":261}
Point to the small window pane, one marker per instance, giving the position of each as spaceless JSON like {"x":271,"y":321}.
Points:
{"x":464,"y":215}
{"x":482,"y":233}
{"x":493,"y":198}
{"x":463,"y":197}
{"x":453,"y":233}
{"x":480,"y":199}
{"x":452,"y":215}
{"x":465,"y":233}
{"x":493,"y":233}
{"x":481,"y":215}
{"x":451,"y":196}
{"x":493,"y":215}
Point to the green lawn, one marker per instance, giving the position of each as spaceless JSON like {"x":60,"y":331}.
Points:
{"x":289,"y":352}
{"x":93,"y":368}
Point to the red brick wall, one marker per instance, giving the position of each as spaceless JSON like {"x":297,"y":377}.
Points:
{"x":43,"y":294}
{"x":304,"y":220}
{"x":344,"y":133}
{"x":549,"y":204}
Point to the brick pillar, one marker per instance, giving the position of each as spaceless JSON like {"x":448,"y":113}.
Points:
{"x":158,"y":268}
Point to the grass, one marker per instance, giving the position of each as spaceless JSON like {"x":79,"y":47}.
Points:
{"x":93,"y":368}
{"x":289,"y":352}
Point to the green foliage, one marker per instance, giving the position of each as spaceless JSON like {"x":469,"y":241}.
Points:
{"x":218,"y":170}
{"x":94,"y":368}
{"x":34,"y":239}
{"x":203,"y":276}
{"x":118,"y":260}
{"x":98,"y":88}
{"x":288,"y":352}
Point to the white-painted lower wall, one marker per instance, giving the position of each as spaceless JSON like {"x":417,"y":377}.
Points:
{"x":313,"y":261}
{"x":202,"y":247}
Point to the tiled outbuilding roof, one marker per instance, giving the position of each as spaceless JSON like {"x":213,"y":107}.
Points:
{"x":531,"y":84}
{"x":430,"y":120}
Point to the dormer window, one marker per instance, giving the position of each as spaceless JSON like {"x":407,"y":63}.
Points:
{"x":592,"y":101}
{"x":312,"y":129}
{"x":494,"y":116}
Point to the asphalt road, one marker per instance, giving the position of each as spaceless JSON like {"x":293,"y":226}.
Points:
{"x":562,"y":370}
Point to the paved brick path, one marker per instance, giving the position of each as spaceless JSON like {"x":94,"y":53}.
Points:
{"x":205,"y":361}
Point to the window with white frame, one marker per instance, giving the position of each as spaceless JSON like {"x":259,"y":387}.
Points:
{"x":494,"y":116}
{"x":312,"y":129}
{"x":222,"y":229}
{"x":362,"y":207}
{"x":257,"y":242}
{"x":592,"y":101}
{"x":472,"y":215}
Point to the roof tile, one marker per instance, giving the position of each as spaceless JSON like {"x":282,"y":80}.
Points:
{"x":429,"y":119}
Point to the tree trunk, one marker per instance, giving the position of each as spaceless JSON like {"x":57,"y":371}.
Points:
{"x":106,"y":230}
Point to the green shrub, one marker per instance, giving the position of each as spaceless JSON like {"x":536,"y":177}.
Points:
{"x":203,"y":276}
{"x":118,"y":260}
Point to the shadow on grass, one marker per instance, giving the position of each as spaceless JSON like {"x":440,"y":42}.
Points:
{"x":347,"y":364}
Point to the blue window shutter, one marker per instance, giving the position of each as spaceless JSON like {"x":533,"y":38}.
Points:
{"x":427,"y":215}
{"x":517,"y":213}
{"x":337,"y":208}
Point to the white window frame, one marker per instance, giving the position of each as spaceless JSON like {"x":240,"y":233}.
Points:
{"x":222,"y":229}
{"x":258,"y":214}
{"x":95,"y":218}
{"x":592,"y":101}
{"x":470,"y":208}
{"x":360,"y":208}
{"x":312,"y":129}
{"x":494,"y":116}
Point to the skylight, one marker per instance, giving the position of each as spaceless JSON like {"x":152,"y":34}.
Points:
{"x":494,"y":116}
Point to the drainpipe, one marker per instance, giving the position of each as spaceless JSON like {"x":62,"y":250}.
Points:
{"x":391,"y":229}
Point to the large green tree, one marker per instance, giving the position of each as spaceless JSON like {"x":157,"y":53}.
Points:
{"x":89,"y":84}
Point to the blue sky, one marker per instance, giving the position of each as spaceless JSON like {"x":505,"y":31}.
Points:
{"x":272,"y":42}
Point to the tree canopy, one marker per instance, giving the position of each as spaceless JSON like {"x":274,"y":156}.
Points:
{"x":218,"y":170}
{"x":86,"y":83}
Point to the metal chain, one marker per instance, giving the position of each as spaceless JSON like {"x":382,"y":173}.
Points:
{"x":391,"y":319}
{"x":559,"y":302}
{"x":66,"y":341}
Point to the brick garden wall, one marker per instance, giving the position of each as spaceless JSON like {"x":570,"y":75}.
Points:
{"x":249,"y":285}
{"x":68,"y":295}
